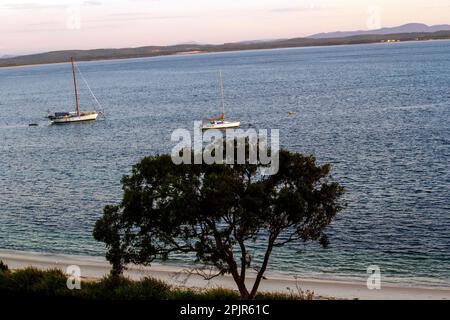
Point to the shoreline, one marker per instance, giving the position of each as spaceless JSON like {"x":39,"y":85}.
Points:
{"x":203,"y":52}
{"x":93,"y":268}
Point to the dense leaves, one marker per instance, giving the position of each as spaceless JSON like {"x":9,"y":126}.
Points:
{"x":215,"y":211}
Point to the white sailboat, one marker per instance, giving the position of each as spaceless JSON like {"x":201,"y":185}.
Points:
{"x":219,"y":122}
{"x":77,"y":116}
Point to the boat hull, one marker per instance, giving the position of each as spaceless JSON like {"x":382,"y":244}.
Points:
{"x":91,"y":116}
{"x":225,"y":125}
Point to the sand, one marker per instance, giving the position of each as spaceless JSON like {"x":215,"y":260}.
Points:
{"x":97,"y":267}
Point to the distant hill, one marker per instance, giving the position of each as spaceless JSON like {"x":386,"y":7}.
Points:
{"x":406,"y":28}
{"x":259,"y":41}
{"x":151,"y":51}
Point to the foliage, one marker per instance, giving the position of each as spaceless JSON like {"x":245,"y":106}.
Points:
{"x":121,"y":288}
{"x":216,"y":211}
{"x":3,"y":267}
{"x":31,"y":282}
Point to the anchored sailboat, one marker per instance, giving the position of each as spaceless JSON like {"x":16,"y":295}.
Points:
{"x":219,"y":122}
{"x":77,"y":116}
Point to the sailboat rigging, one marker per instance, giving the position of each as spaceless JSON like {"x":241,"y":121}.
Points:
{"x":77,"y":116}
{"x":219,"y":122}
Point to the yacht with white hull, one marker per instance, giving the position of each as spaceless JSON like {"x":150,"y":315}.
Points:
{"x":77,"y":116}
{"x":67,"y":117}
{"x":219,"y":122}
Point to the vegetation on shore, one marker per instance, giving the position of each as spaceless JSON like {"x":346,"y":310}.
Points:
{"x":152,"y":51}
{"x":34,"y":283}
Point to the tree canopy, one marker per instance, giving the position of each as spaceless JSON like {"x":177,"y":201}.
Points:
{"x":215,"y":211}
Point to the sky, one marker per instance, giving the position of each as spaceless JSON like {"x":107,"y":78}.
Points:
{"x":29,"y":26}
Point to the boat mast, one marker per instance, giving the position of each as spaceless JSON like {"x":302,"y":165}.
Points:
{"x":75,"y":86}
{"x":221,"y":91}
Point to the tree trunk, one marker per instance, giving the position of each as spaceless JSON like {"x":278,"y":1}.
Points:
{"x":242,"y":288}
{"x":263,"y":268}
{"x":229,"y":258}
{"x":240,"y":282}
{"x":243,"y":259}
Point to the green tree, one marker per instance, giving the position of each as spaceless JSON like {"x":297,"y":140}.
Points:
{"x":216,"y":212}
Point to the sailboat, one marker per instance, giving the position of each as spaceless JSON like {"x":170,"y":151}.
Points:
{"x":219,"y":122}
{"x":77,"y":116}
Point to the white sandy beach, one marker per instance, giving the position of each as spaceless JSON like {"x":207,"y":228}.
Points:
{"x":96,"y":267}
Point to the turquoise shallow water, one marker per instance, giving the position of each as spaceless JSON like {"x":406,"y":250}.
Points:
{"x":379,"y":113}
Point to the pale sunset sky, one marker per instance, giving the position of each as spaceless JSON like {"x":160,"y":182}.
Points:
{"x":28,"y":26}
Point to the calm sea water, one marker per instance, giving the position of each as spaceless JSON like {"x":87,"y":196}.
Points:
{"x":379,"y":113}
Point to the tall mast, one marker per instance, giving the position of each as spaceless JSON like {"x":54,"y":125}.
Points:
{"x":75,"y":86}
{"x":221,"y":91}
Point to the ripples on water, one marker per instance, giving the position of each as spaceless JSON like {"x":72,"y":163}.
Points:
{"x":379,"y":113}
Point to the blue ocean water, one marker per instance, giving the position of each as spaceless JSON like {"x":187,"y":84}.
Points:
{"x":379,"y":113}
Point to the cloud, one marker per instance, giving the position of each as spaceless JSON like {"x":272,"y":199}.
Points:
{"x":296,"y":9}
{"x":30,"y":6}
{"x":134,"y":16}
{"x":92,"y":3}
{"x":49,"y":5}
